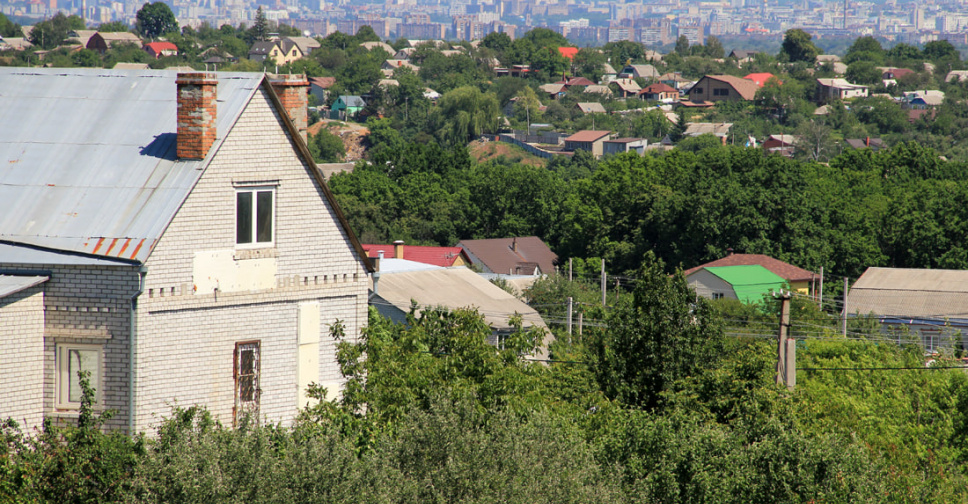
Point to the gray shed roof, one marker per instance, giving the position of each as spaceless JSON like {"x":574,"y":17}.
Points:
{"x":90,"y":165}
{"x":12,"y":284}
{"x":454,"y":288}
{"x":907,"y":293}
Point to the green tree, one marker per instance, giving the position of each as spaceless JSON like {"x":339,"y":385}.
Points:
{"x":260,"y":26}
{"x":497,"y":42}
{"x":53,"y":32}
{"x":589,"y":63}
{"x":464,"y":114}
{"x":8,"y":28}
{"x":326,"y":147}
{"x":663,"y":334}
{"x":863,"y":72}
{"x":682,"y":46}
{"x":621,"y":52}
{"x":155,"y":19}
{"x":798,"y":46}
{"x":113,"y":26}
{"x":865,"y":48}
{"x":714,"y":48}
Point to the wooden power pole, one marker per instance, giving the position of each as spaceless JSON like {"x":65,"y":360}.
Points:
{"x":786,"y":367}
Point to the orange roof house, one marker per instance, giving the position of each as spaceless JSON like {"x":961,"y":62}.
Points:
{"x":760,"y":78}
{"x":568,"y":52}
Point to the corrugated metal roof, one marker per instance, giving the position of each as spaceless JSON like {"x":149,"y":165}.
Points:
{"x":908,"y":292}
{"x":87,"y":159}
{"x":12,"y":284}
{"x":455,"y":288}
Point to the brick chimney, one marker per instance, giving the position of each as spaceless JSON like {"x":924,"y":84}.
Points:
{"x":398,"y":249}
{"x":196,"y":114}
{"x":293,"y":92}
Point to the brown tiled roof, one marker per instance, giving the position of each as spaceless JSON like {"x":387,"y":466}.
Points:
{"x":587,"y":136}
{"x":512,"y":255}
{"x":745,"y":88}
{"x":778,"y":267}
{"x":658,"y":88}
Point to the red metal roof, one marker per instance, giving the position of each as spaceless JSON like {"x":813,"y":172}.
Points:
{"x":568,"y":52}
{"x":760,"y":78}
{"x":161,"y":46}
{"x":438,"y":256}
{"x":778,"y":267}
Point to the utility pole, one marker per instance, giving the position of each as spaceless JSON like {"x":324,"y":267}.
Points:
{"x":786,"y":371}
{"x":820,"y":300}
{"x":581,"y":317}
{"x":569,"y":269}
{"x":603,"y":282}
{"x":569,"y":315}
{"x":843,"y":326}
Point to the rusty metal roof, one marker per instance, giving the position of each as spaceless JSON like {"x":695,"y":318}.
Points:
{"x":87,"y":156}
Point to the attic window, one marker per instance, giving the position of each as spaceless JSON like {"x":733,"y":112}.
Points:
{"x":254,"y":216}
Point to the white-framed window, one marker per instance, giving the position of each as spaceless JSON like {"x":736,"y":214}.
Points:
{"x":255,"y":215}
{"x":69,"y":360}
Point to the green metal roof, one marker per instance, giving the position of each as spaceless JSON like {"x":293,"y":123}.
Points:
{"x":749,"y":282}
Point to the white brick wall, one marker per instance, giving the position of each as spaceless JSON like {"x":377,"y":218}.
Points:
{"x":186,"y":340}
{"x":87,"y":305}
{"x":22,"y":364}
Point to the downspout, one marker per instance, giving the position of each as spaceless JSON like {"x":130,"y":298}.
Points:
{"x":132,"y":346}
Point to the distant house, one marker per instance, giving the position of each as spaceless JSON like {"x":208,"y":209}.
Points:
{"x":674,"y":79}
{"x":720,"y":130}
{"x":625,"y":87}
{"x":798,"y":279}
{"x":780,"y":144}
{"x":369,"y":46}
{"x":404,"y":53}
{"x":957,"y":75}
{"x":281,"y":51}
{"x":659,"y":92}
{"x":598,"y":89}
{"x":888,"y":73}
{"x":590,"y":107}
{"x":723,"y":87}
{"x":159,"y":49}
{"x":620,"y":145}
{"x":101,"y":42}
{"x":927,"y":305}
{"x":874,"y":144}
{"x":393,"y":64}
{"x":652,"y":56}
{"x":568,"y":52}
{"x":647,"y":72}
{"x":838,"y":89}
{"x":588,"y":140}
{"x":523,"y":255}
{"x":577,"y":81}
{"x":923,"y":99}
{"x":742,"y":55}
{"x":759,"y":78}
{"x":319,"y":87}
{"x":554,"y":91}
{"x":747,"y":283}
{"x":397,"y":288}
{"x":346,"y":107}
{"x":306,"y":45}
{"x":514,"y":71}
{"x":437,"y":256}
{"x":827,"y":58}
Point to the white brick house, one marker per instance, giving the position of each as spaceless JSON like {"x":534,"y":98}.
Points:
{"x":173,"y":236}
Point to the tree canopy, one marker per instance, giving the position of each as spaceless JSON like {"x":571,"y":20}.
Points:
{"x":155,"y":19}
